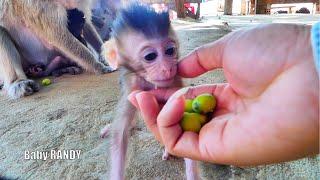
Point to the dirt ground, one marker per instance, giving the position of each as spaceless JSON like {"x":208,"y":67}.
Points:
{"x":69,"y":114}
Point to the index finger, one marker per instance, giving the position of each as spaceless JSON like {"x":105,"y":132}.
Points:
{"x":202,"y":59}
{"x":162,"y":95}
{"x":150,"y":109}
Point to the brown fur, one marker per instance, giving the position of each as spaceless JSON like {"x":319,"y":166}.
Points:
{"x":42,"y":22}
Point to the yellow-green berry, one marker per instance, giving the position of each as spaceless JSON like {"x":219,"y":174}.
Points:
{"x":188,"y":105}
{"x":204,"y":103}
{"x":46,"y":82}
{"x":191,"y":122}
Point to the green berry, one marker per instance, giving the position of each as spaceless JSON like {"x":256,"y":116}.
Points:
{"x":191,"y":122}
{"x":204,"y":103}
{"x":188,"y":105}
{"x":46,"y":82}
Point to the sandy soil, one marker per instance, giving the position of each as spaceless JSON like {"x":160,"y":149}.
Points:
{"x":70,"y":113}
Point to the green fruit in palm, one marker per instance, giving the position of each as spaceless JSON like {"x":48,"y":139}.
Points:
{"x":188,"y":105}
{"x":191,"y":122}
{"x":202,"y":119}
{"x":204,"y":103}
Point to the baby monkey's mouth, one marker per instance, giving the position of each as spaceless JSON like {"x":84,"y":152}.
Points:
{"x":163,"y":83}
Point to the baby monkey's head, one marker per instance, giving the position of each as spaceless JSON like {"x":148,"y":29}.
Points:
{"x":144,"y":42}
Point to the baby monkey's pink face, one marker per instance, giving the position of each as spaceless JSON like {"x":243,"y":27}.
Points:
{"x":153,"y":59}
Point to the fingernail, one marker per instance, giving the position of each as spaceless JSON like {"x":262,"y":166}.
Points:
{"x":139,"y":98}
{"x":133,"y":100}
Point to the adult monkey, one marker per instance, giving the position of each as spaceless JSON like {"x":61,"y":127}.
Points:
{"x":35,"y":32}
{"x":103,"y":14}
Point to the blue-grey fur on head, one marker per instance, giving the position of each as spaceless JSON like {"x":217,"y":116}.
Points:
{"x":141,"y":18}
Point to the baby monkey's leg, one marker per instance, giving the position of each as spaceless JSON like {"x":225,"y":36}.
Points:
{"x":165,"y":155}
{"x":62,"y":65}
{"x":192,"y":172}
{"x":58,"y":66}
{"x":119,"y":140}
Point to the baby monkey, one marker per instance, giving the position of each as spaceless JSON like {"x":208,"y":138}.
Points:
{"x":61,"y":65}
{"x":144,"y":47}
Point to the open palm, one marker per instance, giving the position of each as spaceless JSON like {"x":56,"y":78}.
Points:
{"x":267,"y":112}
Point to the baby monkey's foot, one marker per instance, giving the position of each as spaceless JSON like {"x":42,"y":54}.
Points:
{"x":165,"y":155}
{"x":36,"y":70}
{"x":105,"y":131}
{"x":73,"y":70}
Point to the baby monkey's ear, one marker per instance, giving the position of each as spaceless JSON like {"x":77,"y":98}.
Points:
{"x":111,"y":53}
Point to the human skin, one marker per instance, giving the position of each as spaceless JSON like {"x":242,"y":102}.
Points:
{"x":267,"y":112}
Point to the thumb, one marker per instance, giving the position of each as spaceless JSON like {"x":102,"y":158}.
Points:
{"x":202,"y":59}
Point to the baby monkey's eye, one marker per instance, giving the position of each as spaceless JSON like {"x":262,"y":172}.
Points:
{"x":151,"y":56}
{"x":171,"y":51}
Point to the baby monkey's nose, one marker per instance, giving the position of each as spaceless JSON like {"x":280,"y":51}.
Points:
{"x":169,"y":73}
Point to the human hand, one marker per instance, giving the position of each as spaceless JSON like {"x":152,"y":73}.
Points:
{"x":268,"y":111}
